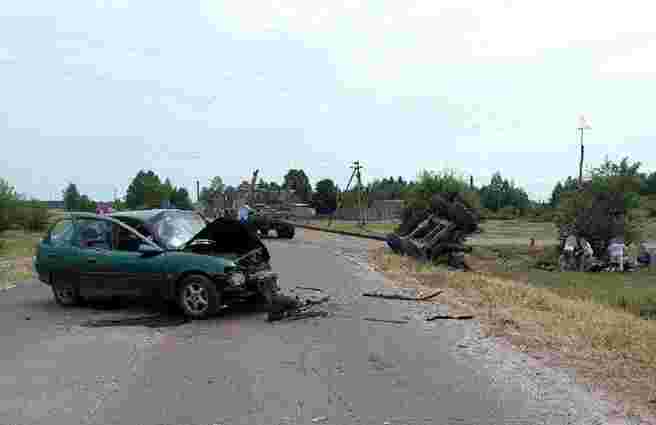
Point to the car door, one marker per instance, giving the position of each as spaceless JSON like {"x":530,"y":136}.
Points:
{"x":92,"y":243}
{"x":129,"y":269}
{"x":57,"y":259}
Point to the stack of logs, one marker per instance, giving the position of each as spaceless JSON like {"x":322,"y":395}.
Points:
{"x":439,"y":230}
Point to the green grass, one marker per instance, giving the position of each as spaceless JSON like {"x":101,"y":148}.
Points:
{"x":633,"y":292}
{"x":515,"y":232}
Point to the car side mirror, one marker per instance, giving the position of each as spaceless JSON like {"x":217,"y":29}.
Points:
{"x":148,"y":249}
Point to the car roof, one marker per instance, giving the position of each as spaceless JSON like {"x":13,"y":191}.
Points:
{"x":141,"y":215}
{"x":145,"y":215}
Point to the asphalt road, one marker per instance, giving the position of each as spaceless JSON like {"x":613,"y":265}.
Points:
{"x":240,"y":369}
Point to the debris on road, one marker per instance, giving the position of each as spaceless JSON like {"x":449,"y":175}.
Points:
{"x":397,"y":322}
{"x":151,"y":321}
{"x":286,"y":307}
{"x":439,"y":230}
{"x":378,"y":294}
{"x":450,"y":317}
{"x":309,"y":288}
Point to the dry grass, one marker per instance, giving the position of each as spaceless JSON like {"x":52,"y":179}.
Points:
{"x":607,"y":347}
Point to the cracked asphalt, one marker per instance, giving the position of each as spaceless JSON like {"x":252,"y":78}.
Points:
{"x":239,"y":369}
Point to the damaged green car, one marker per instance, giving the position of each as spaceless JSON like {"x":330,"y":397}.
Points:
{"x":172,"y":254}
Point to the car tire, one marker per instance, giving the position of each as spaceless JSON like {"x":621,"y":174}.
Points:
{"x":66,"y":294}
{"x":198,"y":297}
{"x":286,"y":232}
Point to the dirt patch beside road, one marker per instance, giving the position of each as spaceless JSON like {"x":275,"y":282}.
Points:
{"x":612,"y":351}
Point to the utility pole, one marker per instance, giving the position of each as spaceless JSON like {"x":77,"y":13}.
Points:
{"x":340,"y":199}
{"x":357,"y":167}
{"x":583,"y":125}
{"x":198,"y":191}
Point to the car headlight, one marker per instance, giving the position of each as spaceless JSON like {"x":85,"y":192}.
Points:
{"x":237,"y":278}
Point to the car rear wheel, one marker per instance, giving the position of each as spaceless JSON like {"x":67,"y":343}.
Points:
{"x":198,"y":297}
{"x":66,"y":294}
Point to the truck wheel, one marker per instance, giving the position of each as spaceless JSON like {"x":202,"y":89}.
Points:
{"x":198,"y":297}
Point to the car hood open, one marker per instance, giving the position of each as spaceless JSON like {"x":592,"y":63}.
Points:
{"x":231,"y":236}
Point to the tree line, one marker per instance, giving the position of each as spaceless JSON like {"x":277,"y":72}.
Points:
{"x":146,"y":190}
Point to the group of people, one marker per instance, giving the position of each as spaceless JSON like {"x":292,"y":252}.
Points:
{"x":578,"y":254}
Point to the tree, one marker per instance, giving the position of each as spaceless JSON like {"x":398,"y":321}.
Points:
{"x":648,"y":184}
{"x":7,"y":203}
{"x":216,"y":185}
{"x":324,"y":198}
{"x":145,"y":191}
{"x":605,"y":206}
{"x":387,"y":189}
{"x":215,"y":189}
{"x":298,"y":181}
{"x":72,"y":197}
{"x":623,"y":168}
{"x":570,"y":184}
{"x":501,"y":193}
{"x":86,"y":204}
{"x":167,"y":189}
{"x":181,"y":199}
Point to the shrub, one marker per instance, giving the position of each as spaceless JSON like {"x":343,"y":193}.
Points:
{"x":7,"y":205}
{"x":429,"y":183}
{"x":32,"y":215}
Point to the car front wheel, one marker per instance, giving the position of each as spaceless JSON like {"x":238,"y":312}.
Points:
{"x":66,"y":294}
{"x":198,"y":297}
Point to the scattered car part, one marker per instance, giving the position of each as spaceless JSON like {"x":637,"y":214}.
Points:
{"x":308,"y":288}
{"x":450,"y":316}
{"x":401,"y":297}
{"x":373,"y":319}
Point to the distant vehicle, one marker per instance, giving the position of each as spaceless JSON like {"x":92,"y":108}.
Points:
{"x":173,"y":254}
{"x":263,"y":220}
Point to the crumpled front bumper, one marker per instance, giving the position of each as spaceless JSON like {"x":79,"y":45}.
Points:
{"x":263,"y":282}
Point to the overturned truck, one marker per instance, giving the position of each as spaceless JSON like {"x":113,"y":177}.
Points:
{"x":437,"y":231}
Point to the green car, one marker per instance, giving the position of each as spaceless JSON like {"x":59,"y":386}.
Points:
{"x":173,"y":254}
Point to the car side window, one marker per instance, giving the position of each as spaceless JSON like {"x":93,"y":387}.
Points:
{"x":94,"y":233}
{"x":61,"y":233}
{"x":124,"y":240}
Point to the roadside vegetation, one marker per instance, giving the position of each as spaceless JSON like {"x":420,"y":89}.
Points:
{"x":602,"y":325}
{"x":22,"y":223}
{"x":591,"y":323}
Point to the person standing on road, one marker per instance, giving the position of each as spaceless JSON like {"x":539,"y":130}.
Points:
{"x":243,"y":213}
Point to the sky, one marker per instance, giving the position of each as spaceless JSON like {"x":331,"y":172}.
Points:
{"x":92,"y":92}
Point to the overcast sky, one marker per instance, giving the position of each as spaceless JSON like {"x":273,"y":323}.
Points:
{"x":92,"y":92}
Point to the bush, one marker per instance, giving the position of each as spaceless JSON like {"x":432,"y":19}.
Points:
{"x":429,"y":183}
{"x":32,"y":215}
{"x":7,"y":205}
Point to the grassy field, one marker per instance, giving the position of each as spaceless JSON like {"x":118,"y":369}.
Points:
{"x":16,"y":251}
{"x":510,"y":232}
{"x":494,"y":232}
{"x":633,"y":292}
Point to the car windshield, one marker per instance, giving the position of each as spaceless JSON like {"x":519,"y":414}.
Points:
{"x":173,"y":230}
